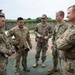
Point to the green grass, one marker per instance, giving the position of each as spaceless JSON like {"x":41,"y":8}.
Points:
{"x":31,"y":31}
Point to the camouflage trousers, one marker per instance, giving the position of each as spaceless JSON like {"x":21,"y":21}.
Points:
{"x":55,"y":56}
{"x":67,"y":67}
{"x":3,"y":66}
{"x":41,"y":47}
{"x":20,"y":53}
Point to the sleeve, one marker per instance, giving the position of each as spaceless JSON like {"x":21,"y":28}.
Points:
{"x":50,"y":32}
{"x":53,"y":36}
{"x":29,"y":40}
{"x":68,"y":41}
{"x":1,"y":36}
{"x":36,"y":30}
{"x":6,"y":45}
{"x":71,"y":39}
{"x":9,"y":36}
{"x":4,"y":50}
{"x":62,"y":44}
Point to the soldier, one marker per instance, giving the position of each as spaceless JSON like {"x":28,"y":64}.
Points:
{"x":4,"y":48}
{"x":21,"y":42}
{"x":57,"y":31}
{"x":66,"y":43}
{"x":43,"y":32}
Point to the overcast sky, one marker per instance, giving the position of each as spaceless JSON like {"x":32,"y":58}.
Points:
{"x":33,"y":8}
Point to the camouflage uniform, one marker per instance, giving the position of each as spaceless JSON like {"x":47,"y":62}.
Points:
{"x":24,"y":38}
{"x":58,"y":30}
{"x":4,"y":48}
{"x":67,"y":44}
{"x":42,"y":44}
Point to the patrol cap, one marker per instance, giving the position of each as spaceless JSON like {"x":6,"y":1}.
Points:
{"x":1,"y":13}
{"x":1,"y":10}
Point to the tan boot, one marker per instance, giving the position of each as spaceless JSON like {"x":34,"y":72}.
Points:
{"x":35,"y":65}
{"x":54,"y":69}
{"x":18,"y":73}
{"x":43,"y":65}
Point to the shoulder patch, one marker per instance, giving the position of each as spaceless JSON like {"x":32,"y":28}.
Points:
{"x":72,"y":37}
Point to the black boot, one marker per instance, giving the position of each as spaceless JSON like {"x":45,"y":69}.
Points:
{"x":26,"y":69}
{"x":50,"y":73}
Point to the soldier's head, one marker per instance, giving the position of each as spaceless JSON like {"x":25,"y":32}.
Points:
{"x":43,"y":18}
{"x":59,"y":16}
{"x":20,"y":22}
{"x":2,"y":21}
{"x":71,"y":13}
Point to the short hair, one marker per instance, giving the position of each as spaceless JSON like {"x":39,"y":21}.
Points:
{"x":19,"y":18}
{"x":2,"y":16}
{"x":73,"y":8}
{"x":44,"y":15}
{"x":61,"y":13}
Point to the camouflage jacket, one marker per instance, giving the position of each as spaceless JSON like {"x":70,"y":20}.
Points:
{"x":59,"y":30}
{"x":67,"y":39}
{"x":4,"y":44}
{"x":44,"y":30}
{"x":67,"y":43}
{"x":22,"y":35}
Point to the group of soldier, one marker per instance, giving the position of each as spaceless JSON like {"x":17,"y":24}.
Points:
{"x":63,"y":41}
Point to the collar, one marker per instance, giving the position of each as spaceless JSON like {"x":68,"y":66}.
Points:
{"x":20,"y":28}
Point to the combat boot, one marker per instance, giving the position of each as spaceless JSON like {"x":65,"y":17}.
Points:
{"x":54,"y":69}
{"x":18,"y":73}
{"x":43,"y":65}
{"x":35,"y":65}
{"x":26,"y":69}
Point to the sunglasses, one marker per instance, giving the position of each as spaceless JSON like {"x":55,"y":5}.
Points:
{"x":42,"y":18}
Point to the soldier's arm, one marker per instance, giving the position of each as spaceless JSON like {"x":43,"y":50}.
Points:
{"x":64,"y":42}
{"x":5,"y":49}
{"x":67,"y":41}
{"x":63,"y":45}
{"x":53,"y":36}
{"x":71,"y":39}
{"x":9,"y":36}
{"x":29,"y":40}
{"x":1,"y":36}
{"x":50,"y":32}
{"x":36,"y":31}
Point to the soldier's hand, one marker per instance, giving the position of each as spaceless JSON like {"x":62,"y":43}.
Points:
{"x":10,"y":52}
{"x":52,"y":47}
{"x":17,"y":42}
{"x":30,"y":47}
{"x":63,"y":37}
{"x":46,"y":37}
